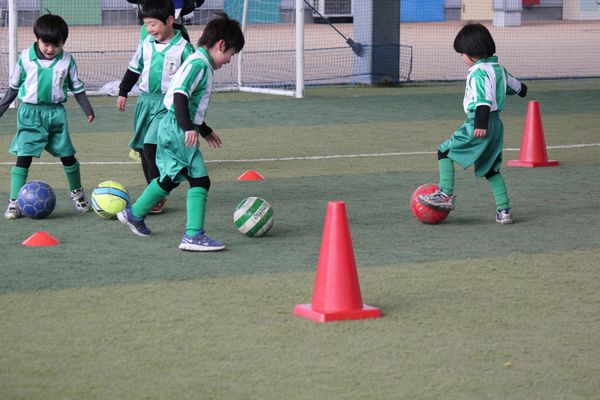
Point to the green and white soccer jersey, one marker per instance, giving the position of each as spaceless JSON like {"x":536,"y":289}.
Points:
{"x":194,"y":80}
{"x":157,"y":63}
{"x":488,"y":83}
{"x":45,"y":81}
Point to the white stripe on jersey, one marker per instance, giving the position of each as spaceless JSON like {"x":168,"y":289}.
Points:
{"x":198,"y":95}
{"x":64,"y":75}
{"x":173,"y":53}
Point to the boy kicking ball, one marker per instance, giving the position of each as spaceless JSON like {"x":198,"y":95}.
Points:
{"x":178,"y":156}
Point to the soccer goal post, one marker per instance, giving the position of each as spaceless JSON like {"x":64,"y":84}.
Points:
{"x":271,"y":62}
{"x":266,"y":64}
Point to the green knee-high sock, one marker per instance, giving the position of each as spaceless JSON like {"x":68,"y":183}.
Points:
{"x":446,"y":166}
{"x":196,"y":208}
{"x":18,"y":177}
{"x":73,"y":176}
{"x":151,"y":195}
{"x":499,"y":191}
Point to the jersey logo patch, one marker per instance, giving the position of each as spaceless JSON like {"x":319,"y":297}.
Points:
{"x":59,"y":77}
{"x":171,"y":64}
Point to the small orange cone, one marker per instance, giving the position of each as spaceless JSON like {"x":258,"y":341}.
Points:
{"x":250,"y":175}
{"x":533,"y":146}
{"x":336,"y":295}
{"x":41,"y":239}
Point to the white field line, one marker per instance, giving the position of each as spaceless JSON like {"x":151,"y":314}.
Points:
{"x":301,"y":158}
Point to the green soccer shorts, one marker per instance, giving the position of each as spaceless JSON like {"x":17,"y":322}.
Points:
{"x":42,"y":127}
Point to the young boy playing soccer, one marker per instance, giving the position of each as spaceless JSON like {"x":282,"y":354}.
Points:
{"x":158,"y":56}
{"x":479,"y":141}
{"x":40,"y":79}
{"x":178,"y":156}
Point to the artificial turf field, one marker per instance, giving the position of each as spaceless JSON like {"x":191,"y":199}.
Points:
{"x":472,"y":309}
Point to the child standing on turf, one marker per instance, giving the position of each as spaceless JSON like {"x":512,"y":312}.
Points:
{"x":40,"y":79}
{"x":159,"y":55}
{"x":480,"y":140}
{"x":178,"y":156}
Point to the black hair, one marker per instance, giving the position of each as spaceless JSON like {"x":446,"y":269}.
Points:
{"x":157,"y":9}
{"x":51,"y":29}
{"x":222,"y":28}
{"x":475,"y":40}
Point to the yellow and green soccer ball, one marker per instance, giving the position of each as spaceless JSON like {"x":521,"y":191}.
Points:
{"x":109,"y":198}
{"x":253,"y":216}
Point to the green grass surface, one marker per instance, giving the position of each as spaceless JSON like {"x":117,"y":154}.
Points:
{"x":472,"y":309}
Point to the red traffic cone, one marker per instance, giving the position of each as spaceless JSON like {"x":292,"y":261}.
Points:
{"x":337,"y":291}
{"x":533,"y":146}
{"x":41,"y":239}
{"x":250,"y":175}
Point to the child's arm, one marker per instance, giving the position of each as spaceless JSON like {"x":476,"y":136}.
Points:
{"x":134,"y":70}
{"x":482,"y":116}
{"x":16,"y":80}
{"x":127,"y":83}
{"x":85,"y":105}
{"x":77,"y":88}
{"x":514,"y":86}
{"x":9,"y":97}
{"x":182,"y":114}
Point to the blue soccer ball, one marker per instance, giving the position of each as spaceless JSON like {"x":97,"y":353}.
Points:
{"x":36,"y":200}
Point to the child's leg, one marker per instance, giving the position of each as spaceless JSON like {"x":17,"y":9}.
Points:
{"x":152,"y":194}
{"x":442,"y":198}
{"x":144,"y":162}
{"x":72,"y":170}
{"x":195,"y":239}
{"x":196,"y":210}
{"x":18,"y":175}
{"x":71,"y":167}
{"x":499,"y":191}
{"x":446,"y":167}
{"x":151,"y":169}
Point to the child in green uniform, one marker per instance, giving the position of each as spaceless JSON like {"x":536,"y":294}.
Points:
{"x":40,"y":79}
{"x":158,"y":56}
{"x":178,"y":156}
{"x":480,"y":140}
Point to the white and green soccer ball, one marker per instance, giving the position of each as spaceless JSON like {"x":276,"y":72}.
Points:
{"x":253,"y":216}
{"x":109,"y":198}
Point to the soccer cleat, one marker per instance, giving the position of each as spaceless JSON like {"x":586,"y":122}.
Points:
{"x":79,"y":200}
{"x":438,"y":199}
{"x":137,"y":225}
{"x":159,"y":207}
{"x":12,"y":211}
{"x":200,"y":242}
{"x":135,"y":155}
{"x":504,"y":216}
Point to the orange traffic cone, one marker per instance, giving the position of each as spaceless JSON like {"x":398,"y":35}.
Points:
{"x":337,"y":291}
{"x":533,"y":146}
{"x":250,"y":175}
{"x":41,"y":239}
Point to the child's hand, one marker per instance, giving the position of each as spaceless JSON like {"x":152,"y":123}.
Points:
{"x":121,"y":101}
{"x":213,"y":140}
{"x":91,"y":118}
{"x":191,"y":138}
{"x":479,"y":132}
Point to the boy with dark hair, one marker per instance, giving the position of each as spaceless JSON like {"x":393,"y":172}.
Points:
{"x":178,"y":156}
{"x":158,"y":56}
{"x":40,"y":80}
{"x":480,"y":140}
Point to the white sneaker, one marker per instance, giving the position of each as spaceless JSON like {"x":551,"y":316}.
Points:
{"x":79,"y":201}
{"x":12,"y":211}
{"x":504,"y":216}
